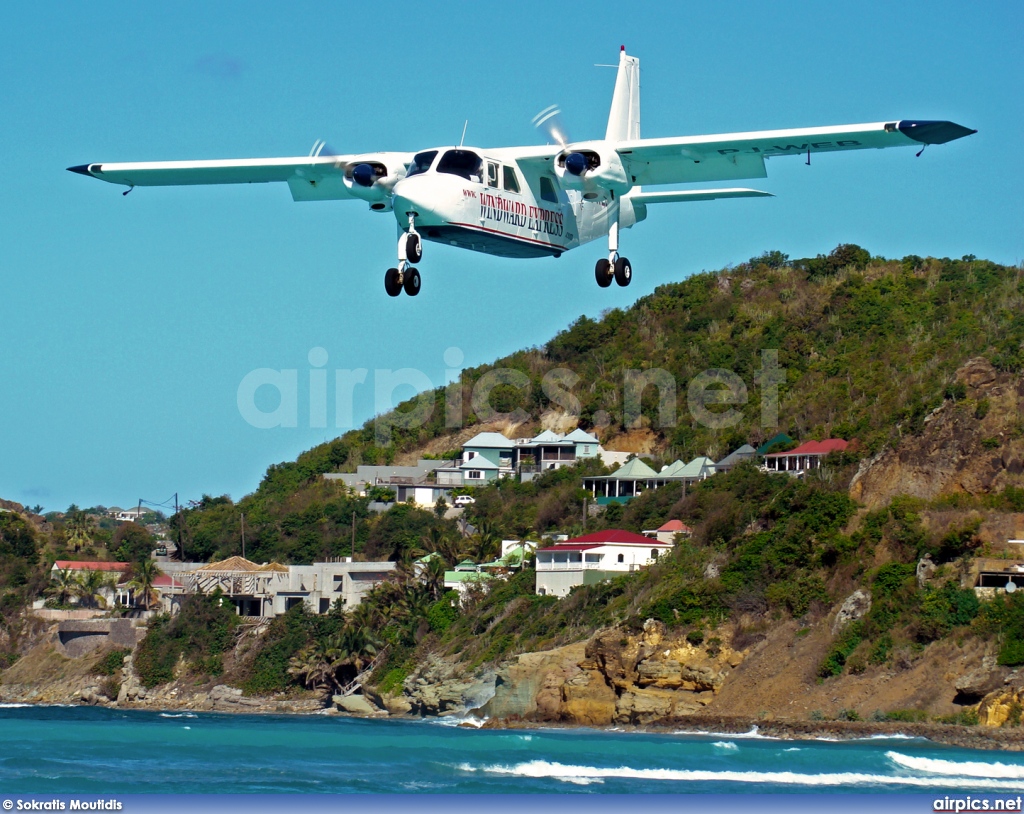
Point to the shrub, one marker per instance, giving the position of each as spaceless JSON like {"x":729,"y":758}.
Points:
{"x":111,"y":662}
{"x":906,"y":715}
{"x":286,"y":636}
{"x":444,"y":612}
{"x":845,"y":643}
{"x":200,"y":632}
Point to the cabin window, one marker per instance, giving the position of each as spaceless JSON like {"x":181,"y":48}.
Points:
{"x":463,"y":163}
{"x":474,"y":474}
{"x":492,"y":174}
{"x":547,"y":190}
{"x":621,"y":558}
{"x":511,"y":182}
{"x":421,"y":163}
{"x":654,"y":553}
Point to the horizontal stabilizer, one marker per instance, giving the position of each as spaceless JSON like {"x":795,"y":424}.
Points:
{"x":696,"y":195}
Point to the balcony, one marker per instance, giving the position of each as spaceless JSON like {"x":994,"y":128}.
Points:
{"x":568,"y":566}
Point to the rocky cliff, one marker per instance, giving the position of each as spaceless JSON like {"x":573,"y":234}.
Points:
{"x":972,"y":443}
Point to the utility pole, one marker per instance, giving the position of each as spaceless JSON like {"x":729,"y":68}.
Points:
{"x":584,"y":515}
{"x":243,"y":535}
{"x":352,"y":552}
{"x":181,"y":553}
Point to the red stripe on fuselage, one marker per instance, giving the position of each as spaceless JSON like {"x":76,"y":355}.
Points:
{"x":506,"y":234}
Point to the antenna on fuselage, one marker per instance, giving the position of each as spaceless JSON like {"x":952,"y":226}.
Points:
{"x":463,"y":139}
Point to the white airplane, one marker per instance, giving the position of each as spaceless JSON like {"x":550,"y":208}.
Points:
{"x":533,"y":201}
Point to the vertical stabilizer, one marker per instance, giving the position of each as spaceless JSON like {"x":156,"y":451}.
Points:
{"x":624,"y":118}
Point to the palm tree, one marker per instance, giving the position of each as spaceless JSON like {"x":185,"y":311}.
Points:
{"x":432,"y":575}
{"x":79,"y":528}
{"x":315,"y":665}
{"x":356,"y":646}
{"x":487,"y":540}
{"x":145,"y":574}
{"x":92,"y":586}
{"x":63,"y":584}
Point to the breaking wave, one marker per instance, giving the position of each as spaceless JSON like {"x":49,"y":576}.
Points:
{"x":954,"y":768}
{"x":542,"y":769}
{"x":727,"y":745}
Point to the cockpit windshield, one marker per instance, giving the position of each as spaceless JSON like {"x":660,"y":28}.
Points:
{"x":464,"y":163}
{"x":421,"y":163}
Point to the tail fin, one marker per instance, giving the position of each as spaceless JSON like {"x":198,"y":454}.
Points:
{"x":624,"y":118}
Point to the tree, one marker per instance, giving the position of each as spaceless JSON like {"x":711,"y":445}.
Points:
{"x":92,"y":587}
{"x":145,"y":573}
{"x":79,"y":526}
{"x":487,"y":541}
{"x":315,"y":665}
{"x":63,"y":584}
{"x":432,"y":575}
{"x":132,"y":543}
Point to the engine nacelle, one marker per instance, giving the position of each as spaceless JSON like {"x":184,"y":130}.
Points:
{"x":373,"y":176}
{"x":591,"y":164}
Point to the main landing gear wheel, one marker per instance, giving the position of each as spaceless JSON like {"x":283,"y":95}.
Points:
{"x":623,"y":271}
{"x":412,"y":282}
{"x":603,"y":272}
{"x":413,"y":248}
{"x":393,"y":282}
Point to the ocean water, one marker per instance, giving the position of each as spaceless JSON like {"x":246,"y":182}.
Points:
{"x":86,"y":750}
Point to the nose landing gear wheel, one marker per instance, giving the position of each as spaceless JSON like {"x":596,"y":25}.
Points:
{"x":412,"y":282}
{"x":413,"y":248}
{"x":603,"y":272}
{"x":623,"y":271}
{"x":392,"y":282}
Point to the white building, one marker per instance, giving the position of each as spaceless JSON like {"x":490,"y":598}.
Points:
{"x":272,"y":589}
{"x":593,"y":558}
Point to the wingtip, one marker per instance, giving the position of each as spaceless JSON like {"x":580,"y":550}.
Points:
{"x":934,"y":132}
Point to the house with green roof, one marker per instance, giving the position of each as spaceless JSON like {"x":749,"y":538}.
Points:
{"x":587,"y":445}
{"x":624,"y":483}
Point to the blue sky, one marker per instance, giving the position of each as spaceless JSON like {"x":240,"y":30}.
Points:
{"x":127,"y":324}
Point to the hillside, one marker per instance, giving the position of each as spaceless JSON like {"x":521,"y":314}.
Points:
{"x":843,"y":595}
{"x":869,"y":348}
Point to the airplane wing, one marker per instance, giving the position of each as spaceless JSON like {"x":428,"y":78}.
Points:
{"x":742,"y":155}
{"x":309,"y":178}
{"x":684,"y":196}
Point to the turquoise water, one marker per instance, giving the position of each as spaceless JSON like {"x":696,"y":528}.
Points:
{"x":84,"y":750}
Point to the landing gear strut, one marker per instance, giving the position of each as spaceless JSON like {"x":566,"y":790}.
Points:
{"x":614,"y":267}
{"x":405,"y":277}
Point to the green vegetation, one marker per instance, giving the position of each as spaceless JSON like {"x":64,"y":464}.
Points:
{"x":868,"y":346}
{"x":111,"y":662}
{"x":197,"y":637}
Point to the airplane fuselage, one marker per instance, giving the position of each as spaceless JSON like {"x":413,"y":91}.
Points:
{"x":484,"y":202}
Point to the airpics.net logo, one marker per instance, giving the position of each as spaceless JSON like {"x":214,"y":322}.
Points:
{"x":955,"y":805}
{"x":714,"y":398}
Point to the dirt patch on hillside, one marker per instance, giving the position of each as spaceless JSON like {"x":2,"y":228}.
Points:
{"x":778,"y":678}
{"x":973,"y":445}
{"x":640,"y":442}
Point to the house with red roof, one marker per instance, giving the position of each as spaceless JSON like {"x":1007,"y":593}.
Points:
{"x":667,"y":532}
{"x":594,"y":558}
{"x":805,"y":457}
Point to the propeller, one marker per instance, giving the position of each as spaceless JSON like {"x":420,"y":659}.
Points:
{"x":549,"y":121}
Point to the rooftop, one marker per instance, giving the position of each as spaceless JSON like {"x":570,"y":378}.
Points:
{"x":814,"y":448}
{"x":91,"y":565}
{"x":489,"y":440}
